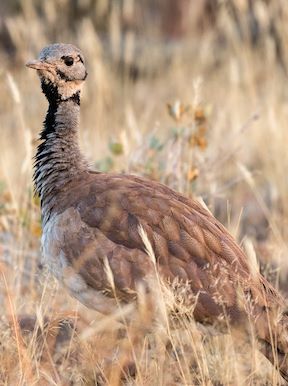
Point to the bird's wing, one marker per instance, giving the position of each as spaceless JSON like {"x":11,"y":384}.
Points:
{"x":190,"y":245}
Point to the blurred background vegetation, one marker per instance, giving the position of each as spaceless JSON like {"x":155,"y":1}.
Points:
{"x":191,"y":93}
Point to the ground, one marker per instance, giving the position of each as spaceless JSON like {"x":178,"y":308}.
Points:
{"x":203,"y":111}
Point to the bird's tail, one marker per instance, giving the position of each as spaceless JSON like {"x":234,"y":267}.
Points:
{"x":274,"y":342}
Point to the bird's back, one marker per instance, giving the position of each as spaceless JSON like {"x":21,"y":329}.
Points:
{"x":100,"y":217}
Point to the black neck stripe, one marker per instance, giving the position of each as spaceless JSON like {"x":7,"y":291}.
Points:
{"x":63,"y":76}
{"x":54,"y":98}
{"x":75,"y":98}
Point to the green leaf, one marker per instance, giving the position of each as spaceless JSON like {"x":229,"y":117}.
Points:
{"x":155,"y":143}
{"x":116,"y":148}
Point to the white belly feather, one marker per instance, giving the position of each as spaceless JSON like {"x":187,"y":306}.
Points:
{"x":52,"y":241}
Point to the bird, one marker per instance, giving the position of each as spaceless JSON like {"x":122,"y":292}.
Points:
{"x":93,"y":220}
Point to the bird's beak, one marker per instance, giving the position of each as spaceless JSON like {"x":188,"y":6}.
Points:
{"x":37,"y":64}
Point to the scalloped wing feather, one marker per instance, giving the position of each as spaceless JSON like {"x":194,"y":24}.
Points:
{"x":189,"y":243}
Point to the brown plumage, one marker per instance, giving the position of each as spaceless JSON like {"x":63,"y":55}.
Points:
{"x":92,"y":218}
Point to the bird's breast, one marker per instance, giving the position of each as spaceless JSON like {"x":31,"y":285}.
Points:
{"x":55,"y":254}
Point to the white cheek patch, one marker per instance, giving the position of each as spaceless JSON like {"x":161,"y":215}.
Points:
{"x":69,"y":88}
{"x":66,"y":88}
{"x":48,"y":76}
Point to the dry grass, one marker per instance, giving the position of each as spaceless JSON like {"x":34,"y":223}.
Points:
{"x":226,"y":142}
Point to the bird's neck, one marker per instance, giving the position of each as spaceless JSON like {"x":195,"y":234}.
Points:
{"x":58,"y":159}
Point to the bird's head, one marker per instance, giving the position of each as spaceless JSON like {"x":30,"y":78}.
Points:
{"x":61,"y":69}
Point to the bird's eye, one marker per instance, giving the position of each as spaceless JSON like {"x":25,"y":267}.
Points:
{"x":68,"y":60}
